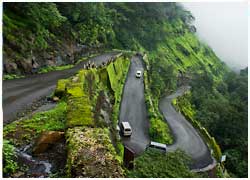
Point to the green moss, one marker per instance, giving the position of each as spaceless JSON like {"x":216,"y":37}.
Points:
{"x":79,"y":112}
{"x":24,"y":131}
{"x":216,"y":148}
{"x":117,"y":73}
{"x":82,"y":90}
{"x":60,"y":87}
{"x":75,"y":90}
{"x":91,"y":153}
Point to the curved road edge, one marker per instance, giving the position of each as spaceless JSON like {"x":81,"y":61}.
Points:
{"x":185,"y":135}
{"x":18,"y":95}
{"x":133,"y":108}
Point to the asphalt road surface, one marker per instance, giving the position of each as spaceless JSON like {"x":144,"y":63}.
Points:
{"x":133,"y":109}
{"x":18,"y":94}
{"x":185,"y":136}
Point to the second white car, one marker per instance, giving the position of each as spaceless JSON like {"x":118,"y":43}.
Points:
{"x":138,"y":74}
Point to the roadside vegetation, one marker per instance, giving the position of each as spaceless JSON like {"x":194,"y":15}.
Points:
{"x":159,"y":130}
{"x":24,"y":131}
{"x":12,"y":76}
{"x":219,"y":107}
{"x":222,"y":108}
{"x":83,"y":99}
{"x":86,"y":95}
{"x":156,"y":164}
{"x":9,"y":158}
{"x":54,"y":68}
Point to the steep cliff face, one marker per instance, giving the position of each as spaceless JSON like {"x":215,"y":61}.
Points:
{"x":30,"y":41}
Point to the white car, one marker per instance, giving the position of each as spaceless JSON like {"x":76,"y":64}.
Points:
{"x":126,"y":129}
{"x":138,"y":74}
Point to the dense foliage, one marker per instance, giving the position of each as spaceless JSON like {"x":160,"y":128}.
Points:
{"x":9,"y":156}
{"x":222,"y":108}
{"x":156,"y":164}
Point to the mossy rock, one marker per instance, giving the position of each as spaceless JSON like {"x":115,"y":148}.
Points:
{"x":26,"y":130}
{"x":79,"y":112}
{"x":91,"y":154}
{"x":75,"y":90}
{"x":60,"y":87}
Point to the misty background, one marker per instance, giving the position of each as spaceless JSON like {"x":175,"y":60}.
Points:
{"x":224,"y":27}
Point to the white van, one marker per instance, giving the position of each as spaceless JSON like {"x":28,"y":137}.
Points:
{"x":126,"y":129}
{"x":157,"y":145}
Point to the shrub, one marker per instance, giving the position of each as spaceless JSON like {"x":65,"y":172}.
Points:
{"x":155,"y":164}
{"x":9,"y":164}
{"x":22,"y":132}
{"x":158,"y":131}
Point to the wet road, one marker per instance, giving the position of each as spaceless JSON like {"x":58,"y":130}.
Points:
{"x":185,"y":136}
{"x":18,"y":94}
{"x":133,"y":109}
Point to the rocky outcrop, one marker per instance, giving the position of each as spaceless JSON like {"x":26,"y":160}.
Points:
{"x":91,"y":154}
{"x":61,"y":54}
{"x":46,"y":139}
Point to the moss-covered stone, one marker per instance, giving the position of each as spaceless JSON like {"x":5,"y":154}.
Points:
{"x":91,"y":154}
{"x":79,"y":112}
{"x":60,"y":87}
{"x":75,"y":90}
{"x":24,"y":131}
{"x":81,"y":93}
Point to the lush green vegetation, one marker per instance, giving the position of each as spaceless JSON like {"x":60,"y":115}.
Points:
{"x":54,"y":68}
{"x":11,"y":76}
{"x":86,"y":132}
{"x":175,"y":55}
{"x":159,"y":130}
{"x":156,"y":164}
{"x":183,"y":105}
{"x":9,"y":155}
{"x":24,"y":131}
{"x":222,"y":108}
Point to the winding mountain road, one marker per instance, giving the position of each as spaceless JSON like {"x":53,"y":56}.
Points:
{"x":133,"y":109}
{"x":18,"y":94}
{"x":185,"y":136}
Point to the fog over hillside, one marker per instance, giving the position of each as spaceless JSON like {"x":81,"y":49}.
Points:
{"x":223,"y":26}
